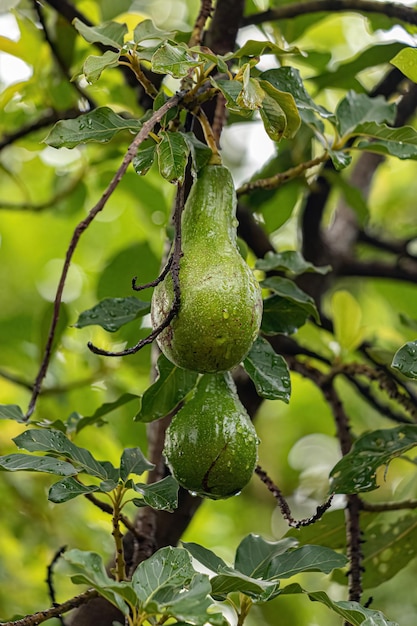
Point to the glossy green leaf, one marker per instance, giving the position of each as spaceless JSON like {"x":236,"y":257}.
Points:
{"x":206,"y":557}
{"x":169,"y":389}
{"x":37,"y":440}
{"x":356,"y":471}
{"x":95,"y":65}
{"x":113,"y":313}
{"x":99,"y":125}
{"x":273,"y":118}
{"x":12,"y":412}
{"x":145,"y":157}
{"x":352,"y":612}
{"x":173,"y":153}
{"x":90,"y":570}
{"x":69,"y":488}
{"x":406,"y":61}
{"x":255,"y":48}
{"x":109,"y":34}
{"x":288,"y":79}
{"x":290,"y":261}
{"x":252,"y":94}
{"x":173,"y":59}
{"x":255,"y":555}
{"x":285,"y":101}
{"x":357,"y":108}
{"x":166,"y":572}
{"x":28,"y":463}
{"x":281,"y":315}
{"x":133,"y":462}
{"x":162,"y":495}
{"x":306,"y":559}
{"x":405,"y":360}
{"x":146,"y":30}
{"x":287,"y":289}
{"x":398,"y":142}
{"x":269,"y":371}
{"x":231,"y":580}
{"x":231,"y":90}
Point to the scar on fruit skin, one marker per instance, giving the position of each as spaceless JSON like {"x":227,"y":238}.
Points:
{"x":213,"y":463}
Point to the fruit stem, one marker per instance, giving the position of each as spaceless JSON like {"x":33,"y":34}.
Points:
{"x":245,"y":607}
{"x":209,"y":137}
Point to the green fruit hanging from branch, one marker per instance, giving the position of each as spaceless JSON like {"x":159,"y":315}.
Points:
{"x":221,"y":304}
{"x":211,"y":444}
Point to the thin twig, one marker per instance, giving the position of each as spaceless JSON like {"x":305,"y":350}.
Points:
{"x":389,"y":9}
{"x":381,"y":507}
{"x":153,"y":283}
{"x":273,"y":182}
{"x":49,"y":579}
{"x":284,"y":506}
{"x":206,"y":9}
{"x":174,"y":268}
{"x":82,"y":226}
{"x":56,"y":611}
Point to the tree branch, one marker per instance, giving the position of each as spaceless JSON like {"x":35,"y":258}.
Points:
{"x":390,"y":9}
{"x":82,"y":226}
{"x":56,"y":611}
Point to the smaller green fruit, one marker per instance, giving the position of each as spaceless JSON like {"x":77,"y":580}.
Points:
{"x":211,"y":444}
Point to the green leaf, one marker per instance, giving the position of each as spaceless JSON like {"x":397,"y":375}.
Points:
{"x":287,"y":289}
{"x":173,"y":60}
{"x":387,"y":549}
{"x":28,"y":463}
{"x":145,"y":157}
{"x":255,"y":48}
{"x":281,"y":315}
{"x":133,"y":462}
{"x":162,"y":495}
{"x":288,"y":79}
{"x":91,"y":571}
{"x":356,"y":471}
{"x":285,"y":101}
{"x":251,"y":94}
{"x":206,"y":557}
{"x":12,"y":412}
{"x":95,"y":65}
{"x":168,"y":569}
{"x":273,"y":118}
{"x":231,"y":90}
{"x":269,"y":371}
{"x":306,"y":559}
{"x":398,"y":142}
{"x":289,"y":261}
{"x":405,"y":360}
{"x":230,"y":580}
{"x":340,"y":159}
{"x":357,"y":108}
{"x":352,"y":612}
{"x":169,"y":389}
{"x":55,"y":441}
{"x":147,"y":30}
{"x":99,"y":125}
{"x":254,"y":555}
{"x":69,"y":488}
{"x":113,"y":313}
{"x":173,"y":153}
{"x":109,"y":34}
{"x":406,"y":61}
{"x":347,"y":319}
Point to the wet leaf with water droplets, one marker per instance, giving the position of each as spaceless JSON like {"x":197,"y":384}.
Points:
{"x":405,"y":360}
{"x":113,"y":313}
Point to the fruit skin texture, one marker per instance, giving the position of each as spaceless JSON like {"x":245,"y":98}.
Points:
{"x":221,"y":303}
{"x":211,"y":444}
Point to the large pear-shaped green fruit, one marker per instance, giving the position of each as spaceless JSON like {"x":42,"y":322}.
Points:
{"x":211,"y":444}
{"x":221,"y":304}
